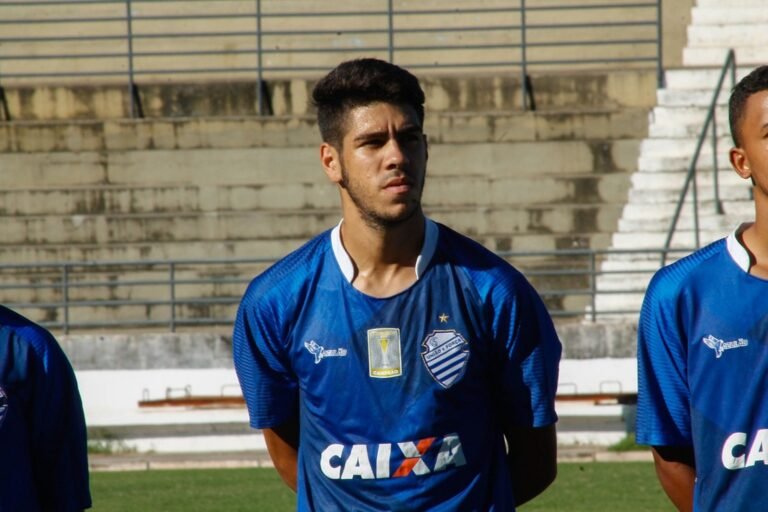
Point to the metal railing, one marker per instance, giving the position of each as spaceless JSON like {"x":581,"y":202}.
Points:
{"x":259,"y":39}
{"x":173,"y":295}
{"x":710,"y":124}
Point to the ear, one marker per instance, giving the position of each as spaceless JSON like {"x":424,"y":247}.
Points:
{"x":330,"y":159}
{"x":740,"y":162}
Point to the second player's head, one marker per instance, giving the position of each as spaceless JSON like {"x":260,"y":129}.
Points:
{"x":361,"y":82}
{"x":754,"y":82}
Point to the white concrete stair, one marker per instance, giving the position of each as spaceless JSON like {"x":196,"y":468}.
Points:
{"x":717,"y":25}
{"x":665,"y":156}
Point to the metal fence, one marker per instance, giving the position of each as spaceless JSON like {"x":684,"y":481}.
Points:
{"x":145,"y":40}
{"x":183,"y":294}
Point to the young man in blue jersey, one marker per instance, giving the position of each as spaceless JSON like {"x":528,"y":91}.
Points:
{"x":43,"y":452}
{"x":390,"y":359}
{"x":703,"y":345}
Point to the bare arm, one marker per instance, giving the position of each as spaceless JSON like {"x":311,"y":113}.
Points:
{"x":676,"y":469}
{"x":283,"y":445}
{"x":532,"y":460}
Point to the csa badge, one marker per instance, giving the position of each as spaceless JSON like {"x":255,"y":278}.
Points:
{"x":384,"y":353}
{"x":3,"y":405}
{"x":445,"y":354}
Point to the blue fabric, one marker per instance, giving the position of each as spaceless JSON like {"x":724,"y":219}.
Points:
{"x":702,"y":365}
{"x":413,"y":421}
{"x":43,"y":456}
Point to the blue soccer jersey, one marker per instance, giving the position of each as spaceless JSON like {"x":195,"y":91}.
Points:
{"x":43,"y":457}
{"x":703,"y":361}
{"x":400,"y":399}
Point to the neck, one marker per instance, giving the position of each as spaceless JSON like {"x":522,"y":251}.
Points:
{"x":384,"y":256}
{"x":755,"y":240}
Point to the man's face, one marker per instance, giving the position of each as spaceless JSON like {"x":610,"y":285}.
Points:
{"x":382,"y":163}
{"x":750,"y":159}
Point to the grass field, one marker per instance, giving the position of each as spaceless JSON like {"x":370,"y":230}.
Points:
{"x":593,"y":487}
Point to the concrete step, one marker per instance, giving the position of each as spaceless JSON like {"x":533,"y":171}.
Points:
{"x":232,"y":227}
{"x":237,"y":98}
{"x":301,"y":131}
{"x":724,"y":15}
{"x":705,"y":56}
{"x":189,"y":199}
{"x":685,"y":122}
{"x":149,"y":251}
{"x":675,"y":180}
{"x":732,"y":4}
{"x":652,"y":163}
{"x":663,"y":211}
{"x":681,"y":239}
{"x":651,"y":198}
{"x":708,"y":220}
{"x":669,"y":147}
{"x":728,"y":35}
{"x":701,"y":97}
{"x":226,"y":227}
{"x":702,"y":78}
{"x":261,"y":166}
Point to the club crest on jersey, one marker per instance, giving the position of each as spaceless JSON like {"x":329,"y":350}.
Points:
{"x":320,"y":352}
{"x":720,"y":346}
{"x":445,"y":355}
{"x":3,"y":405}
{"x":384,"y":359}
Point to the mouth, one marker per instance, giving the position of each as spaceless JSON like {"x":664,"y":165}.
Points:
{"x":398,"y":185}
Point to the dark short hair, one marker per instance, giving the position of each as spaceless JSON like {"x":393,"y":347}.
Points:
{"x":360,"y":82}
{"x":753,"y":83}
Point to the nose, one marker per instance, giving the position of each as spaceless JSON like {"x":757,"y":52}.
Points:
{"x":396,"y":156}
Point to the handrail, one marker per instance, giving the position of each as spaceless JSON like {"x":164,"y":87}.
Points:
{"x":175,"y":294}
{"x":730,"y":63}
{"x":524,"y":37}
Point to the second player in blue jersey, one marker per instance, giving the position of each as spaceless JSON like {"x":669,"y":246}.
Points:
{"x":389,"y":360}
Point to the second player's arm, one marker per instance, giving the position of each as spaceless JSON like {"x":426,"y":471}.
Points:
{"x":283,"y":445}
{"x":532,"y":460}
{"x":676,"y":470}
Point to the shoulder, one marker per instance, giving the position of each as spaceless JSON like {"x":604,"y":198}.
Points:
{"x":24,"y":333}
{"x":669,"y":282}
{"x":488,"y":272}
{"x":291,"y":273}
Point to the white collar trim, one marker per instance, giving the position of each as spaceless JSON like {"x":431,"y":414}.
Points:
{"x":738,"y":253}
{"x":348,"y":268}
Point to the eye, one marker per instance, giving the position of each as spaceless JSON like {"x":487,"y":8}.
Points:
{"x":410,"y":138}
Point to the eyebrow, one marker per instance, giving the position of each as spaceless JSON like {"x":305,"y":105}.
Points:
{"x":408,"y":129}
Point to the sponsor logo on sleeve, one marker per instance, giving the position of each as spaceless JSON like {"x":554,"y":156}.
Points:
{"x":445,"y":355}
{"x":321,"y":352}
{"x":720,"y":346}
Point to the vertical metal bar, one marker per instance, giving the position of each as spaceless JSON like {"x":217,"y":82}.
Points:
{"x":593,"y":284}
{"x":715,"y":173}
{"x":259,"y":63}
{"x":129,"y":25}
{"x":695,"y":196}
{"x":659,"y":47}
{"x":65,"y":296}
{"x":524,"y":57}
{"x":391,"y":31}
{"x":172,"y":283}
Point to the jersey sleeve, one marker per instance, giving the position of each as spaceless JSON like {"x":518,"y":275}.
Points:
{"x":263,"y":367}
{"x":58,"y":435}
{"x":663,"y":404}
{"x":531,"y":355}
